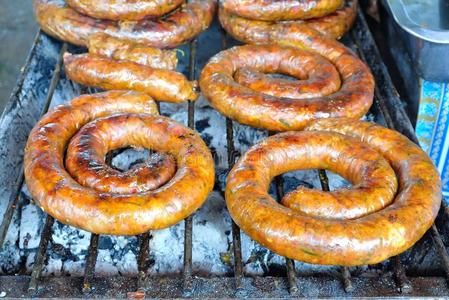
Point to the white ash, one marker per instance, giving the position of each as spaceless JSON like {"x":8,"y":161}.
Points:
{"x":30,"y":227}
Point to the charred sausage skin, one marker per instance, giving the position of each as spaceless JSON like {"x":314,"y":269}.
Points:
{"x":368,"y":239}
{"x":120,"y":10}
{"x":256,"y":109}
{"x":102,"y":44}
{"x":64,"y":23}
{"x":109,"y":74}
{"x":56,"y":192}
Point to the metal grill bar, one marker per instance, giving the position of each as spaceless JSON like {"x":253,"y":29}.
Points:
{"x":142,"y":259}
{"x":188,"y":223}
{"x":345,"y":273}
{"x":289,"y":263}
{"x":40,"y":255}
{"x":12,"y":203}
{"x":91,"y":261}
{"x":232,"y":155}
{"x":49,"y":221}
{"x":441,"y":250}
{"x":390,"y":105}
{"x":403,"y":283}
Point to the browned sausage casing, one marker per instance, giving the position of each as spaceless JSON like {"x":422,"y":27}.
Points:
{"x":260,"y":107}
{"x":312,"y":230}
{"x":64,"y":23}
{"x":128,"y":114}
{"x":281,"y":10}
{"x":85,"y":161}
{"x":102,"y":44}
{"x":109,"y":74}
{"x":334,"y":25}
{"x":119,"y":10}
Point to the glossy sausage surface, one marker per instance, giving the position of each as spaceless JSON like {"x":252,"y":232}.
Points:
{"x":85,"y":160}
{"x":109,"y":74}
{"x":102,"y":44}
{"x":120,"y":10}
{"x":258,"y":108}
{"x":320,"y":236}
{"x":64,"y":23}
{"x":281,"y":10}
{"x":57,"y":193}
{"x":334,"y":25}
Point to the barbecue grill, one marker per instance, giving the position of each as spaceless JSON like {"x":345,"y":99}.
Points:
{"x":27,"y":262}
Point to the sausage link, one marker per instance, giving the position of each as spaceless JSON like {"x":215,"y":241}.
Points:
{"x":117,"y":10}
{"x":85,"y":161}
{"x":57,"y":193}
{"x":334,"y":25}
{"x":108,"y":74}
{"x":257,"y":109}
{"x":64,"y":23}
{"x":319,"y":228}
{"x":317,"y":78}
{"x":273,"y":10}
{"x":105,"y":45}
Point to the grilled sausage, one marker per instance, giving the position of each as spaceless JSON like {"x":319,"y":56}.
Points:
{"x":317,"y":78}
{"x":127,"y":114}
{"x":254,"y":108}
{"x":108,"y":74}
{"x":334,"y":25}
{"x":105,"y":45}
{"x":131,"y":10}
{"x":64,"y":23}
{"x":274,"y":10}
{"x":85,"y":161}
{"x":311,"y":231}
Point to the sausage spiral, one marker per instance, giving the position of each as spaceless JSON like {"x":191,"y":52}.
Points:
{"x":333,"y":25}
{"x":327,"y":228}
{"x":131,"y":10}
{"x":283,"y":10}
{"x":122,"y":119}
{"x":64,"y":23}
{"x":281,"y":105}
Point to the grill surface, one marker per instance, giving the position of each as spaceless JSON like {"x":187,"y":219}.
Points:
{"x":39,"y":88}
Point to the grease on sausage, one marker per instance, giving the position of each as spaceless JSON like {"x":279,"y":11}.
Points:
{"x":105,"y":45}
{"x":56,"y":192}
{"x":367,"y":239}
{"x":64,"y":23}
{"x":119,"y":10}
{"x":108,"y":74}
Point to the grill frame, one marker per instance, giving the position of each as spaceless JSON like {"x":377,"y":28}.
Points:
{"x":396,"y":283}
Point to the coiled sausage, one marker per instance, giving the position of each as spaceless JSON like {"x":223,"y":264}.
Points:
{"x":129,"y":119}
{"x":131,"y":10}
{"x":262,"y":104}
{"x":64,"y":23}
{"x":333,"y":25}
{"x":85,"y":161}
{"x":319,"y":228}
{"x":283,"y":10}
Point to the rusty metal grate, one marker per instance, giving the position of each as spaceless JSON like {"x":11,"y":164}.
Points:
{"x":387,"y":106}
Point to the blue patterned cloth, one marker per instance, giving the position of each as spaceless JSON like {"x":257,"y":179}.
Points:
{"x":432,"y":127}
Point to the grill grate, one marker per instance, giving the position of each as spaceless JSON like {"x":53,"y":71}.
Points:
{"x":387,"y":103}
